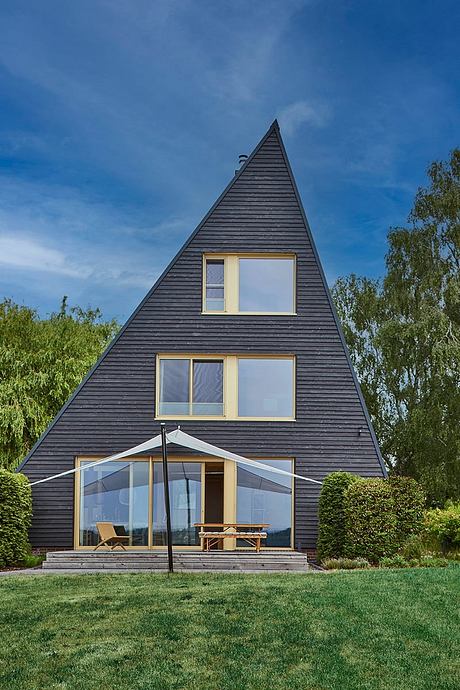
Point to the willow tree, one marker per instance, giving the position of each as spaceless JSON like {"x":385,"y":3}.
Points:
{"x":404,"y":336}
{"x":41,"y":363}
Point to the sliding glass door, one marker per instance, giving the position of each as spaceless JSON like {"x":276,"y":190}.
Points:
{"x":130,"y":495}
{"x":185,"y":495}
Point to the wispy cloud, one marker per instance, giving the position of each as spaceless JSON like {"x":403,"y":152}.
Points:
{"x":123,"y":120}
{"x":106,"y":104}
{"x":243,"y":75}
{"x":27,"y":253}
{"x":293,"y":116}
{"x":50,"y":230}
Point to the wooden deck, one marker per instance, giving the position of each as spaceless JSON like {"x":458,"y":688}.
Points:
{"x":148,"y":561}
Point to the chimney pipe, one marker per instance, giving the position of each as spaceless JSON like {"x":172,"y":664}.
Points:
{"x":242,"y":158}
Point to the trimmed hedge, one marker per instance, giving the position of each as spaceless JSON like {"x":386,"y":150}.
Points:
{"x":15,"y":517}
{"x":367,"y":518}
{"x":370,"y":520}
{"x":409,"y":501}
{"x":331,"y":536}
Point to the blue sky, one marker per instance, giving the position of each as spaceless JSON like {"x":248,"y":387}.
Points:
{"x":122,"y":120}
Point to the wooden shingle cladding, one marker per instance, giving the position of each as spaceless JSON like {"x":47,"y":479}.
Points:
{"x":114,"y":408}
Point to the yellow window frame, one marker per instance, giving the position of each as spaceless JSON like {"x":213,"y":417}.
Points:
{"x":230,"y":386}
{"x":230,"y":496}
{"x":232,"y":283}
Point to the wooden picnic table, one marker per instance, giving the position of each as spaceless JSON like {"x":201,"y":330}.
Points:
{"x":251,"y":532}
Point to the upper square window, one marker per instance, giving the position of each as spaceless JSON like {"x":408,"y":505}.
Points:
{"x":266,"y":285}
{"x":249,"y":284}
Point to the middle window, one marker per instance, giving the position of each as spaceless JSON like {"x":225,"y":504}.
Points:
{"x":226,"y":386}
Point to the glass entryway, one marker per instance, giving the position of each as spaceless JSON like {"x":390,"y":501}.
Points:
{"x":130,"y":494}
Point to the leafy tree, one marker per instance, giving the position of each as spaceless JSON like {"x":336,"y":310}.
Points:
{"x":403,"y":333}
{"x":41,"y":362}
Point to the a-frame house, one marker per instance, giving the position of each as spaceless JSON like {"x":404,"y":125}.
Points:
{"x":239,"y":343}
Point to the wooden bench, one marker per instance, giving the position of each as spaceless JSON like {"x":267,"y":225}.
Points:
{"x":252,"y":533}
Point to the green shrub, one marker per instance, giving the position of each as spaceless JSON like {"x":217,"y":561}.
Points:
{"x":396,"y":562}
{"x":408,"y":503}
{"x":370,"y":520}
{"x":427,"y":561}
{"x":433,"y":562}
{"x":413,"y":562}
{"x":416,"y":546}
{"x":32,"y":561}
{"x":15,"y":517}
{"x":453,"y":555}
{"x":444,"y":525}
{"x":345,"y":563}
{"x":331,"y":536}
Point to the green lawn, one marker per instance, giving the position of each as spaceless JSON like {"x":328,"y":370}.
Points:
{"x":374,"y":629}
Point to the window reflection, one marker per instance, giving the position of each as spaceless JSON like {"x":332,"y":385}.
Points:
{"x":266,"y":497}
{"x":174,"y":386}
{"x":185,"y":499}
{"x":215,"y":285}
{"x":265,"y":388}
{"x":115,"y":492}
{"x":266,"y":285}
{"x":206,"y":387}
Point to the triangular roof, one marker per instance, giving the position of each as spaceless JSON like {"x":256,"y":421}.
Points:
{"x":272,"y":136}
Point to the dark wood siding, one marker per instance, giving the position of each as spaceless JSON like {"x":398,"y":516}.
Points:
{"x":114,"y":409}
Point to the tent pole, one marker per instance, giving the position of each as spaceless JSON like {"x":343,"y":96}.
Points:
{"x":166,"y":492}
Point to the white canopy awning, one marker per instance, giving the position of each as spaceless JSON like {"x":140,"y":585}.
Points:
{"x":154,"y":442}
{"x":180,"y":438}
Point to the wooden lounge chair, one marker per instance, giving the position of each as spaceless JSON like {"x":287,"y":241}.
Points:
{"x":109,"y":537}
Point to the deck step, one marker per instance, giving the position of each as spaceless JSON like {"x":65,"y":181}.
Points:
{"x":218,"y":561}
